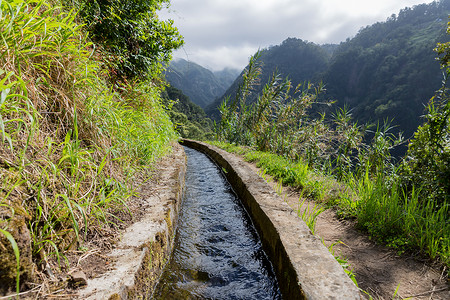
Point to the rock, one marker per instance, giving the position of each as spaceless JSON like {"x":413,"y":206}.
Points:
{"x":78,"y":279}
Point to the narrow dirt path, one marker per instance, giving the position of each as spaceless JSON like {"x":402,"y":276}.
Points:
{"x":379,"y":270}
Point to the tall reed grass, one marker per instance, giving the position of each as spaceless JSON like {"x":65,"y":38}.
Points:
{"x":400,"y":219}
{"x":362,"y":177}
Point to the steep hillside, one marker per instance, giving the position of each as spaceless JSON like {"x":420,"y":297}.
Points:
{"x":76,"y":137}
{"x":227,"y":76}
{"x":201,"y":85}
{"x":189,"y":119}
{"x":387,"y":71}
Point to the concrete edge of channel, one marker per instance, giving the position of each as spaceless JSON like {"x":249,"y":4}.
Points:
{"x":145,"y":246}
{"x":304,"y":267}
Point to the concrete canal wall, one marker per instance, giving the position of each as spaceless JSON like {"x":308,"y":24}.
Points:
{"x":305,"y":268}
{"x":140,"y":255}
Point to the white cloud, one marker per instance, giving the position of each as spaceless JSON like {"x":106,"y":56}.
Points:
{"x":224,"y":33}
{"x":219,"y":57}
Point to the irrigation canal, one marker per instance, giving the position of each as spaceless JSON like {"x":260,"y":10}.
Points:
{"x":217,"y":252}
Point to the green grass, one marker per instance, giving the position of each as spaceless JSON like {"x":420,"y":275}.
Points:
{"x":309,"y":213}
{"x":400,"y":219}
{"x":379,"y":205}
{"x":294,"y":173}
{"x":71,"y":145}
{"x":342,"y":261}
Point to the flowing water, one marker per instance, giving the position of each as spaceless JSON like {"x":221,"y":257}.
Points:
{"x":217,"y":252}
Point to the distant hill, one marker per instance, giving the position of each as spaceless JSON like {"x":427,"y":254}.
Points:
{"x":388,"y":70}
{"x":227,"y":76}
{"x":201,"y":85}
{"x":294,"y":58}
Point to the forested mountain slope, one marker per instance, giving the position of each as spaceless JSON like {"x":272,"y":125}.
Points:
{"x":201,"y":85}
{"x":189,"y":119}
{"x":387,"y":71}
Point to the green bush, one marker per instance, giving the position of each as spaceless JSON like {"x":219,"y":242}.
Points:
{"x":428,"y":159}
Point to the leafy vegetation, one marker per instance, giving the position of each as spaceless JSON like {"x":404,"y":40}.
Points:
{"x":135,"y":40}
{"x":281,"y":121}
{"x":189,"y":119}
{"x":71,"y":144}
{"x":427,"y":163}
{"x":405,"y":206}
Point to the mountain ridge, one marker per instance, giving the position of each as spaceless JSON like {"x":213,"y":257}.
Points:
{"x":200,"y":84}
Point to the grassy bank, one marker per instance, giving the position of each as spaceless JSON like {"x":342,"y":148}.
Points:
{"x":71,"y":144}
{"x":380,"y":206}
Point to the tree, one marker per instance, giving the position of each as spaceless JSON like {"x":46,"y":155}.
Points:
{"x":428,"y":159}
{"x":443,"y":50}
{"x":137,"y":42}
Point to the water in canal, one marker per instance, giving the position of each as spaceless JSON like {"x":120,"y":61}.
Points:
{"x":217,"y":252}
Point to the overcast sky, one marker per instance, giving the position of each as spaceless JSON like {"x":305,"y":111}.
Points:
{"x":225,"y":33}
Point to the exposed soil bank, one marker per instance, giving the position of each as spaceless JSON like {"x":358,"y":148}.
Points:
{"x":305,"y":268}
